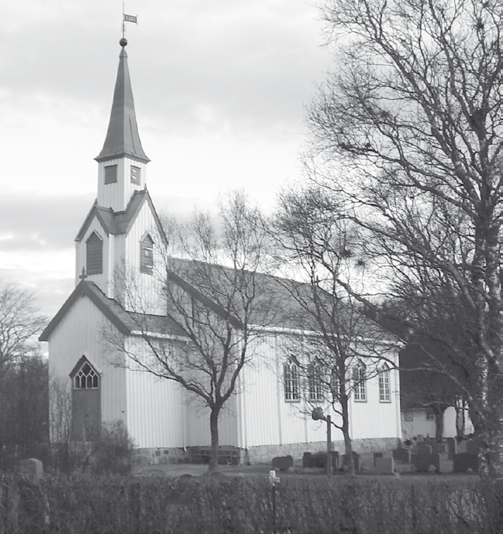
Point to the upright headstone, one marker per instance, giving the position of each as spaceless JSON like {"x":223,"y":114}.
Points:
{"x":31,"y":469}
{"x":451,"y":447}
{"x":283,"y":463}
{"x":385,"y":465}
{"x":472,"y":446}
{"x":401,"y":455}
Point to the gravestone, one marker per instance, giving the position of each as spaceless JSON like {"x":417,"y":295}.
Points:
{"x":464,"y":461}
{"x":31,"y":469}
{"x":451,"y":448}
{"x":401,"y":455}
{"x":377,"y":455}
{"x":420,"y":438}
{"x":423,"y":461}
{"x":384,"y":465}
{"x":472,"y":446}
{"x":307,"y":460}
{"x":283,"y":463}
{"x":423,"y":448}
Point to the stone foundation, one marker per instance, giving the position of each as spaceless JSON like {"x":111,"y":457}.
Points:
{"x":161,"y":456}
{"x":265,"y":453}
{"x":258,"y":455}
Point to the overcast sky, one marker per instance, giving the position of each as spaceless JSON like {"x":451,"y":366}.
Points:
{"x":219,"y":86}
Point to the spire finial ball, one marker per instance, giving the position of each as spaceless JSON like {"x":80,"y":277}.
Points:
{"x":123,"y":42}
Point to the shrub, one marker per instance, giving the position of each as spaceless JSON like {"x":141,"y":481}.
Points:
{"x":113,"y":453}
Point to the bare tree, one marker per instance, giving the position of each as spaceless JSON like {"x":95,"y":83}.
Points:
{"x":411,"y":123}
{"x":216,"y":304}
{"x":346,"y":348}
{"x":20,"y":323}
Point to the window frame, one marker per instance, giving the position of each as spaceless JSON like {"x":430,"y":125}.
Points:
{"x":315,"y":382}
{"x":91,"y":261}
{"x":384,"y":384}
{"x":360,"y":382}
{"x":291,"y":381}
{"x":111,"y":178}
{"x":85,"y":380}
{"x":147,"y":255}
{"x":135,"y":174}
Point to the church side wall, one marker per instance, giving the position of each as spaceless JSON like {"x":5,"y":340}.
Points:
{"x":269,"y":420}
{"x":80,"y":334}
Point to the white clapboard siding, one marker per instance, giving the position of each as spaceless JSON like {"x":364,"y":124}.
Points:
{"x":117,"y":195}
{"x":149,"y":287}
{"x":155,"y":411}
{"x":198,"y":423}
{"x":80,"y":334}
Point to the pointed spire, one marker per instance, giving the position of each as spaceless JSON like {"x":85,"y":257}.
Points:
{"x":122,"y":137}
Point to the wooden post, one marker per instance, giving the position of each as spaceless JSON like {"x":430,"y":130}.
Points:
{"x":329,"y":446}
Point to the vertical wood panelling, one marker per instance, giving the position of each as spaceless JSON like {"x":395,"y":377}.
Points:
{"x":148,"y":291}
{"x":80,"y":333}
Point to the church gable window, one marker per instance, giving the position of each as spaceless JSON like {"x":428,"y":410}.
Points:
{"x":86,"y":377}
{"x":110,"y":174}
{"x":147,"y":255}
{"x":94,"y":254}
{"x":135,"y":175}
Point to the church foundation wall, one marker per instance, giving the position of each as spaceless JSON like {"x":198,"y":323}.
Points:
{"x":257,"y":455}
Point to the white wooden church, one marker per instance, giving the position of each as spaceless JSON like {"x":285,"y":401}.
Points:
{"x":268,"y":416}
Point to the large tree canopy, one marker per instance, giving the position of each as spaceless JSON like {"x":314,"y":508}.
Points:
{"x":410,"y":128}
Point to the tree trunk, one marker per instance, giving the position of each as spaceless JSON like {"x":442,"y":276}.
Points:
{"x":348,"y":461}
{"x":215,"y":412}
{"x":439,"y":422}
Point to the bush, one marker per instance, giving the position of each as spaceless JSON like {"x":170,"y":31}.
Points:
{"x":214,"y":505}
{"x":114,"y":452}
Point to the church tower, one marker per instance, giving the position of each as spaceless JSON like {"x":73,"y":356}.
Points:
{"x":122,"y":236}
{"x":122,"y":161}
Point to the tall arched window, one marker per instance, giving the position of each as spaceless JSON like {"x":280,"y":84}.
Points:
{"x":94,"y":254}
{"x":147,"y":255}
{"x":291,"y":380}
{"x":315,"y":382}
{"x":359,"y":382}
{"x":384,"y":384}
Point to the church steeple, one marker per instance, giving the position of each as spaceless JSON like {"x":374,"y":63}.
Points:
{"x":122,"y":160}
{"x":122,"y":137}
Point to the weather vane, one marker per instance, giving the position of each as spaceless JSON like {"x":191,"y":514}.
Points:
{"x":127,"y":18}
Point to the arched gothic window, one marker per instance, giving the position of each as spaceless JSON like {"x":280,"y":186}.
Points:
{"x":291,"y":380}
{"x":384,"y":384}
{"x":94,"y":254}
{"x":315,"y":382}
{"x":359,"y":382}
{"x":147,"y":255}
{"x":86,"y":377}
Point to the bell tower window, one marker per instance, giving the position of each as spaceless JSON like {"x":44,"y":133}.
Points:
{"x":135,"y":175}
{"x":110,"y":174}
{"x":94,"y":254}
{"x":147,"y":255}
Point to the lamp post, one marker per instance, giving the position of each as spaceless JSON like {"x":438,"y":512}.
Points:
{"x":317,"y":414}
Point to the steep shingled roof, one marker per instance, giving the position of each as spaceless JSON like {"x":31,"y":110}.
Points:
{"x":123,"y":138}
{"x":126,"y":322}
{"x":280,"y":303}
{"x":120,"y":222}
